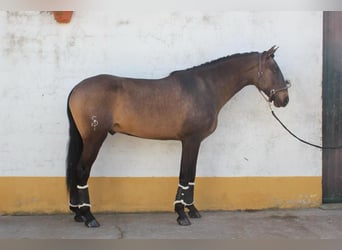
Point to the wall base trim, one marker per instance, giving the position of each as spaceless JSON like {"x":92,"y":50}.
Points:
{"x":35,"y":195}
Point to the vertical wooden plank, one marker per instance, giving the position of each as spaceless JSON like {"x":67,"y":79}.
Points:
{"x":332,"y":106}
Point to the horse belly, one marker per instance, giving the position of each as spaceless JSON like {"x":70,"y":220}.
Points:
{"x":147,"y":126}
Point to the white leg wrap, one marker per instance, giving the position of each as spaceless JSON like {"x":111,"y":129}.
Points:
{"x":72,"y":205}
{"x":84,"y":196}
{"x":185,"y":194}
{"x":79,"y":206}
{"x":183,"y":203}
{"x":184,"y":188}
{"x":84,"y":205}
{"x":82,"y":187}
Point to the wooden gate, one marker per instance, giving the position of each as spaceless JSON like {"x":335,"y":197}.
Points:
{"x":332,"y":106}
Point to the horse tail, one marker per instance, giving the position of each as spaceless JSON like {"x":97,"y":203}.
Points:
{"x":75,"y":148}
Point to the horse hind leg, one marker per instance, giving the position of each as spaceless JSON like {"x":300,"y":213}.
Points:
{"x":82,"y":209}
{"x":193,"y":212}
{"x":74,"y":207}
{"x":75,"y":149}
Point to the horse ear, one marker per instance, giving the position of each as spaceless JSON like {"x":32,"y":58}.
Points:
{"x":271,"y":51}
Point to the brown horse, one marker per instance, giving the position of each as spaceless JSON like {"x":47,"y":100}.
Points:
{"x":182,"y":106}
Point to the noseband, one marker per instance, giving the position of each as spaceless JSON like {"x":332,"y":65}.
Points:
{"x":272,"y":91}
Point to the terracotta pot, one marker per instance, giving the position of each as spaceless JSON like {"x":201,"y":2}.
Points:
{"x":63,"y":16}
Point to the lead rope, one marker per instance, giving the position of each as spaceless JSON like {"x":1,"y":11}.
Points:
{"x":300,"y":139}
{"x":268,"y":100}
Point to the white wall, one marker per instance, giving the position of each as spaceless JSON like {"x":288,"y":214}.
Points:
{"x":41,"y":60}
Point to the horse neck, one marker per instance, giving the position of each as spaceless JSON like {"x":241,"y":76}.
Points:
{"x":229,"y":77}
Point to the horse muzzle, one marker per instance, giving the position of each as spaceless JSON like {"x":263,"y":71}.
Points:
{"x":281,"y":101}
{"x":280,"y":97}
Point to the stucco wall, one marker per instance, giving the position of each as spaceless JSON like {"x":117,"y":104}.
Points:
{"x":41,"y":60}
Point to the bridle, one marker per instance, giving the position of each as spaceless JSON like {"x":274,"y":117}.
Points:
{"x":272,"y":91}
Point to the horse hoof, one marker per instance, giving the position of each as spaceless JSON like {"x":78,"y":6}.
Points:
{"x":80,"y":218}
{"x":93,"y":223}
{"x":194,"y":214}
{"x":183,"y":221}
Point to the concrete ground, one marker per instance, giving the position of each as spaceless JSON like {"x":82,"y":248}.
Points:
{"x":318,"y":223}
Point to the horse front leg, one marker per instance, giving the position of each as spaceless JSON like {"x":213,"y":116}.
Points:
{"x":185,"y":191}
{"x":185,"y":199}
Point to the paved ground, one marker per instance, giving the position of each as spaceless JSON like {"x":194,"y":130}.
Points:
{"x":319,"y":223}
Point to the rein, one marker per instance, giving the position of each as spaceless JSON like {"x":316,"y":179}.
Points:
{"x":298,"y":138}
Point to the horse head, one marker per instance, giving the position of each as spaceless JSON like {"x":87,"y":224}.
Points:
{"x":270,"y":79}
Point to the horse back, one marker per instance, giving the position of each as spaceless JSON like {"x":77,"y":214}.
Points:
{"x":157,"y":109}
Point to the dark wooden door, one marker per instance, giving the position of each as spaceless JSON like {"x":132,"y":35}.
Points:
{"x":332,"y":106}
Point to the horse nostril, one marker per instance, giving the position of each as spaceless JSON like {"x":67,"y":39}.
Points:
{"x":286,"y":100}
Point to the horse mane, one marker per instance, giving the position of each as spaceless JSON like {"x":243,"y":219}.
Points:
{"x":215,"y":61}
